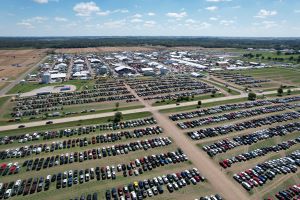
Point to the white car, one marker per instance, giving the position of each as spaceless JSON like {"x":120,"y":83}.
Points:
{"x":7,"y":193}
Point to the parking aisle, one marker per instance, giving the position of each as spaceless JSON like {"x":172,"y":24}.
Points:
{"x":219,"y":181}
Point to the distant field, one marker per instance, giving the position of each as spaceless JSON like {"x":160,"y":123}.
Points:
{"x":103,"y":49}
{"x":15,"y":62}
{"x":281,"y":75}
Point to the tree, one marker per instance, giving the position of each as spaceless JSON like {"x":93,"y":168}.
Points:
{"x":199,"y":103}
{"x":279,"y":91}
{"x":251,"y":96}
{"x":289,"y":92}
{"x":213,"y":93}
{"x":118,"y":117}
{"x":229,"y":90}
{"x":117,"y":105}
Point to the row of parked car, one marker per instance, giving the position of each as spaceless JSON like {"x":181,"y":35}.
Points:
{"x":218,"y":109}
{"x":33,"y":107}
{"x":150,"y":187}
{"x":47,"y":135}
{"x":164,"y":85}
{"x":211,"y":197}
{"x":292,"y":192}
{"x":81,"y":142}
{"x":147,"y":163}
{"x":241,"y":79}
{"x":230,"y":107}
{"x":261,"y":173}
{"x":93,"y":196}
{"x":9,"y":168}
{"x":232,"y":116}
{"x":73,"y":177}
{"x":251,"y":138}
{"x":63,"y":159}
{"x":258,"y":152}
{"x":254,"y":123}
{"x":175,"y":96}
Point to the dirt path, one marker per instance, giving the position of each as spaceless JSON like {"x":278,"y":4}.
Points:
{"x":219,"y":181}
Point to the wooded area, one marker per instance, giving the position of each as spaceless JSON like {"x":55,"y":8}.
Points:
{"x":208,"y":42}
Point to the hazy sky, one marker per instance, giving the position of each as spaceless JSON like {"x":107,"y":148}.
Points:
{"x":150,"y":18}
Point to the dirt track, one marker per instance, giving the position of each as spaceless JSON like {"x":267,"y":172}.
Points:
{"x":219,"y":181}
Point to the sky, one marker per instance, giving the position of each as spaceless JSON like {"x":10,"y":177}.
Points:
{"x":232,"y":18}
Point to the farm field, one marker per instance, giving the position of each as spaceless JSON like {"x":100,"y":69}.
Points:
{"x":277,"y":76}
{"x":15,"y":62}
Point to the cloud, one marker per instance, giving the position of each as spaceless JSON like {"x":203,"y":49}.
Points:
{"x":227,"y":22}
{"x":29,"y":23}
{"x":60,"y":19}
{"x":37,"y":19}
{"x":265,"y":13}
{"x":190,"y":21}
{"x":212,"y":8}
{"x":213,"y":18}
{"x":151,"y":14}
{"x":120,"y":11}
{"x":137,"y":16}
{"x":266,"y":24}
{"x":85,"y":9}
{"x":26,"y":25}
{"x":218,"y":1}
{"x":136,"y":20}
{"x":193,"y":24}
{"x":296,"y":11}
{"x":149,"y":23}
{"x":103,"y":13}
{"x":177,"y":16}
{"x":108,"y":12}
{"x":114,"y":24}
{"x":41,"y":1}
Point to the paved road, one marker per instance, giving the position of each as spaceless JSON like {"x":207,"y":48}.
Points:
{"x":147,"y":108}
{"x":17,"y":81}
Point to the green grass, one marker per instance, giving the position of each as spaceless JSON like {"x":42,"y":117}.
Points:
{"x":196,"y":98}
{"x":284,"y":185}
{"x":6,"y":117}
{"x":284,"y":93}
{"x":3,"y":100}
{"x":277,"y":74}
{"x":29,"y":86}
{"x":192,"y":107}
{"x":220,"y":85}
{"x":74,"y":124}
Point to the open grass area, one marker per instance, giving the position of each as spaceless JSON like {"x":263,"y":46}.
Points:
{"x":74,"y":123}
{"x":196,"y":98}
{"x":3,"y":100}
{"x":277,"y":74}
{"x":29,"y":86}
{"x":220,"y":85}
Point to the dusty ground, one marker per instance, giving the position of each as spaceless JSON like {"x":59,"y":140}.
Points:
{"x":104,"y":49}
{"x":9,"y":59}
